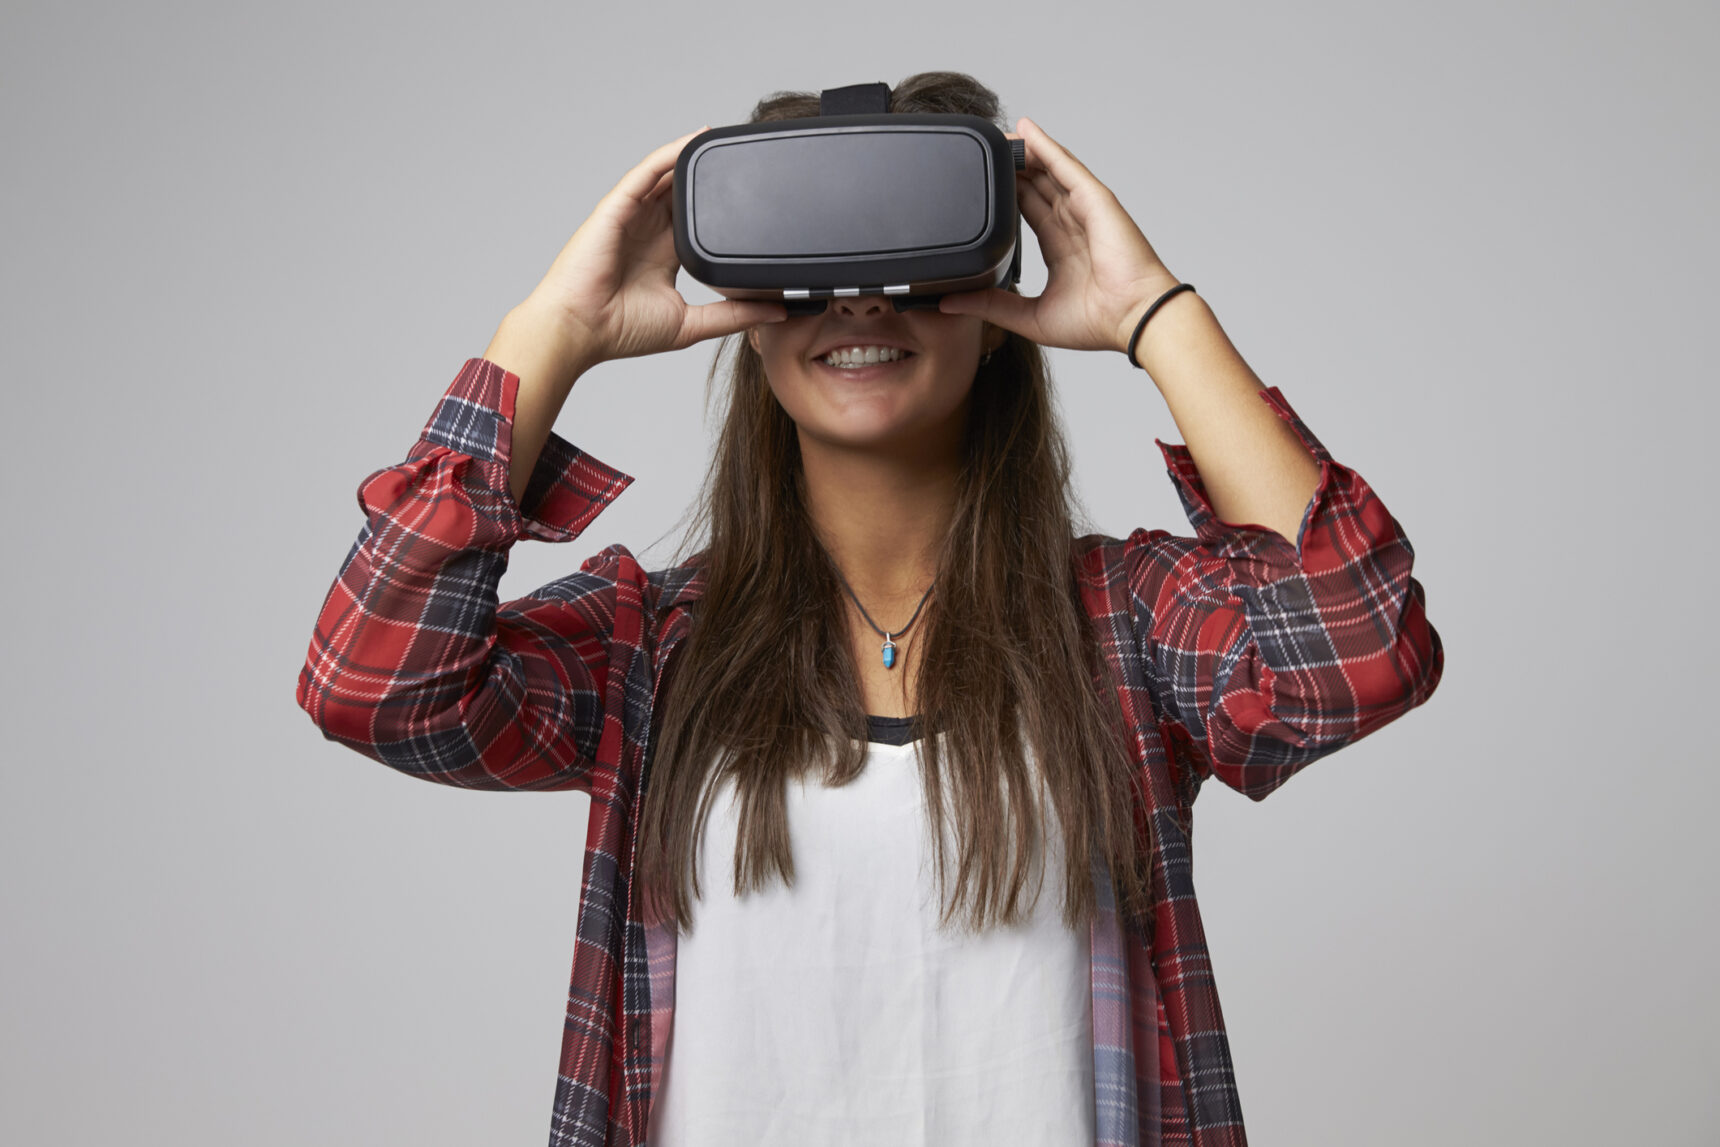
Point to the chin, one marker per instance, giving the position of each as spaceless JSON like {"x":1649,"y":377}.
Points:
{"x":855,"y":433}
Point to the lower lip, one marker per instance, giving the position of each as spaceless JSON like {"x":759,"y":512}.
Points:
{"x":869,"y":371}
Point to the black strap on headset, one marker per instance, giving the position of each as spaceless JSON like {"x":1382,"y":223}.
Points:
{"x":855,"y":99}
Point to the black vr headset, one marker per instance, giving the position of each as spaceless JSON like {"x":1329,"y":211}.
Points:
{"x":853,"y":201}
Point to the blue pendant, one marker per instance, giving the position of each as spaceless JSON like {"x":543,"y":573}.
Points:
{"x":889,"y":653}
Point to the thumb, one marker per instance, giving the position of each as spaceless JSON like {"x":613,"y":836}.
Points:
{"x":995,"y":305}
{"x":726,"y":317}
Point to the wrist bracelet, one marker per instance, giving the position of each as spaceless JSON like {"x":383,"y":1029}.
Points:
{"x":1142,"y":325}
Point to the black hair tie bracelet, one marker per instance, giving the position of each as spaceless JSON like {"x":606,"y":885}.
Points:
{"x":1142,"y":325}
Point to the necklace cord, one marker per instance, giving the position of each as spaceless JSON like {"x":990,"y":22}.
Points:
{"x":868,"y":617}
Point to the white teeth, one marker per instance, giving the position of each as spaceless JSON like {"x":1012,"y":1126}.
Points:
{"x":862,"y":355}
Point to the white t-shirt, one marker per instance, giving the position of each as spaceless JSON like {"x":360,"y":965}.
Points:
{"x":836,"y":1012}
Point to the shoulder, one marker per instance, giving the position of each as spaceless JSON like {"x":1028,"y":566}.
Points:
{"x":1101,"y":559}
{"x":616,"y":569}
{"x":678,"y":586}
{"x":609,"y":575}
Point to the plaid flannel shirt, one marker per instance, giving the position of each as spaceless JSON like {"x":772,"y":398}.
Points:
{"x":1236,"y":653}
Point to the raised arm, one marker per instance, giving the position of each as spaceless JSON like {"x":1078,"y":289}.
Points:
{"x":1290,"y":625}
{"x":413,"y":660}
{"x":1254,"y":467}
{"x":1273,"y":647}
{"x":414,"y":663}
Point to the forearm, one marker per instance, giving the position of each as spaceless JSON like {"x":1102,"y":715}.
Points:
{"x":549,"y":360}
{"x":1254,"y":468}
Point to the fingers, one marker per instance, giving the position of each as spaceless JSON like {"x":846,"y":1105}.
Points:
{"x":638,"y":183}
{"x":1039,"y":182}
{"x":1035,"y":208}
{"x":1063,"y":167}
{"x":659,"y":250}
{"x":664,"y":183}
{"x":1048,"y":187}
{"x":1053,"y":230}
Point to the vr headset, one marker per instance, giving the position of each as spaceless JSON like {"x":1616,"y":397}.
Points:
{"x":853,"y":201}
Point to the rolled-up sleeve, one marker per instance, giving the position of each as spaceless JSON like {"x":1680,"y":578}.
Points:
{"x":413,"y":660}
{"x":1273,"y":652}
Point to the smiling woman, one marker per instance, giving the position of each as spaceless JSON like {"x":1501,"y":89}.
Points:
{"x":880,"y":962}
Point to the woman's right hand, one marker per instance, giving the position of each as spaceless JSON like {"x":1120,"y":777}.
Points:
{"x":612,"y":288}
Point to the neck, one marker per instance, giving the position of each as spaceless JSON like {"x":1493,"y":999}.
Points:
{"x":883,"y":517}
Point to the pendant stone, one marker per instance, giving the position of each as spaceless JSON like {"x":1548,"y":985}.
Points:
{"x":889,"y":653}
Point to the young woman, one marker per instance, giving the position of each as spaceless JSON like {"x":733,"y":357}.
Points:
{"x":837,"y":754}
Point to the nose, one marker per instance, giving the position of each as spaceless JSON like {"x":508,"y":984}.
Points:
{"x":863,"y":305}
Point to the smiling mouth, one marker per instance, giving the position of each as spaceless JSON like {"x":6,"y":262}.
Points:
{"x":860,"y":357}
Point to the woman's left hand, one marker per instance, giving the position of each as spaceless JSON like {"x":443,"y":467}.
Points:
{"x":1101,"y":271}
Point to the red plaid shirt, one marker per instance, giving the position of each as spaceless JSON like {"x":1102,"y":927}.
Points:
{"x":1236,"y":654}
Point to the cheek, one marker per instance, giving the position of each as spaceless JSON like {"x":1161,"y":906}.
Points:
{"x":781,"y":357}
{"x":785,"y":375}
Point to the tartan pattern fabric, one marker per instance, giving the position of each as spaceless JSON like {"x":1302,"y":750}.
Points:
{"x":1236,"y":653}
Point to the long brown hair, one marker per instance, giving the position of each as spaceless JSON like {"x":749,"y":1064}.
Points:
{"x":766,"y":687}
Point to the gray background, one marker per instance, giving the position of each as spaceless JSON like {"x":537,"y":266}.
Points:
{"x":246,"y":248}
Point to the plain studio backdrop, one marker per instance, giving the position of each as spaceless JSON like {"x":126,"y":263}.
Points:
{"x":247,"y":247}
